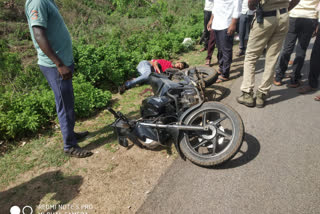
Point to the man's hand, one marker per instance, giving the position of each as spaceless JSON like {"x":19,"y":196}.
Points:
{"x":209,"y":25}
{"x":252,"y":4}
{"x":232,"y":28}
{"x":292,"y":4}
{"x":65,"y":72}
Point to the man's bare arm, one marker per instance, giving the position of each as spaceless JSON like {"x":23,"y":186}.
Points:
{"x":42,"y":40}
{"x":292,"y":4}
{"x":210,"y":22}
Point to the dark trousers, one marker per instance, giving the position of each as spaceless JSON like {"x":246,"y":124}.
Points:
{"x":244,"y":30}
{"x":211,"y":45}
{"x":315,"y":63}
{"x":206,"y":34}
{"x":301,"y":29}
{"x":63,"y":93}
{"x":224,"y":44}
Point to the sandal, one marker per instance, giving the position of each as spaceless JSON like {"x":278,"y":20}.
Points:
{"x":221,"y":79}
{"x":77,"y":152}
{"x":208,"y":62}
{"x":317,"y":98}
{"x":306,"y":89}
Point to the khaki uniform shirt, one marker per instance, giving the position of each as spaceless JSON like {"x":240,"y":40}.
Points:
{"x":269,"y":5}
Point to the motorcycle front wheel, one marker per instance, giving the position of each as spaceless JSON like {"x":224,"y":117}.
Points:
{"x":218,"y":144}
{"x":209,"y":75}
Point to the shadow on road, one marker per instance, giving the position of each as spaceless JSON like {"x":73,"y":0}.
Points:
{"x":53,"y":186}
{"x":248,"y":151}
{"x":216,"y":93}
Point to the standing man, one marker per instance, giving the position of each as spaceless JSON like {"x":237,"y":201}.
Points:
{"x":245,"y":21}
{"x":52,"y":41}
{"x":207,"y":15}
{"x":314,"y":72}
{"x":302,"y":24}
{"x":223,"y":21}
{"x":269,"y":32}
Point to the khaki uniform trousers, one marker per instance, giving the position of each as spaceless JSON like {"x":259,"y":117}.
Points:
{"x":269,"y":35}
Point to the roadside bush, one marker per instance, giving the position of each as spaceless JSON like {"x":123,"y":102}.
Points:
{"x":88,"y":98}
{"x":10,"y":64}
{"x":24,"y":114}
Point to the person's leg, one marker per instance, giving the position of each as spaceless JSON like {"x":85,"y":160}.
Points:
{"x":227,"y":46}
{"x":287,"y":50}
{"x":248,"y":23}
{"x":258,"y":39}
{"x":211,"y":45}
{"x":305,"y":29}
{"x":144,"y":70}
{"x":273,"y":50}
{"x":64,"y":98}
{"x":314,"y":72}
{"x":219,"y":37}
{"x":207,"y":16}
{"x":242,"y":30}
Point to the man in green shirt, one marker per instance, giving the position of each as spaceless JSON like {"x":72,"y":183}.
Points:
{"x":54,"y":47}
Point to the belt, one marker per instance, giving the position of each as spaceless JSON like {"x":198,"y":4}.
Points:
{"x":274,"y":12}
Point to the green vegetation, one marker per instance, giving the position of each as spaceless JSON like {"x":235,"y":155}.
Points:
{"x":110,"y":37}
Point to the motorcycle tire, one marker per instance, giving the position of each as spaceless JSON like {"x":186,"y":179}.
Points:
{"x":209,"y":75}
{"x":222,"y":145}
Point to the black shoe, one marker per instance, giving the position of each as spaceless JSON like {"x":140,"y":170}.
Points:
{"x":81,"y":135}
{"x":241,"y":53}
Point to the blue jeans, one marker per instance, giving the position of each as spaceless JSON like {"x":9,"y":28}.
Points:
{"x":224,"y":44}
{"x":144,"y":70}
{"x":244,"y":30}
{"x":63,"y":93}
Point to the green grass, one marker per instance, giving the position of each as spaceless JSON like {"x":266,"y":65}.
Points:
{"x":46,"y":151}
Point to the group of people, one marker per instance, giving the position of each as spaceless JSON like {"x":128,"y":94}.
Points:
{"x":271,"y":23}
{"x":268,"y":31}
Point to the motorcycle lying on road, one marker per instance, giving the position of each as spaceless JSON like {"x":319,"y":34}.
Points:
{"x":206,"y":133}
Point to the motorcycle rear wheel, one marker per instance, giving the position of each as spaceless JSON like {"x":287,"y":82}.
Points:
{"x":218,"y":145}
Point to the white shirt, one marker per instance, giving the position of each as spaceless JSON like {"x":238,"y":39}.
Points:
{"x":305,"y":9}
{"x":208,"y":6}
{"x":223,"y":13}
{"x":245,"y":8}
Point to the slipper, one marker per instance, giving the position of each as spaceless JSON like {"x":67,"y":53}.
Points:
{"x":317,"y":98}
{"x":77,"y":152}
{"x":306,"y":89}
{"x":221,"y":79}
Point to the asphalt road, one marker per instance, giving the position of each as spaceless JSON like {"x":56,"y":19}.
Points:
{"x":276,"y":171}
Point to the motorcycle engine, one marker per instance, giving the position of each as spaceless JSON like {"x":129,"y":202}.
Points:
{"x":189,"y":98}
{"x":156,"y":106}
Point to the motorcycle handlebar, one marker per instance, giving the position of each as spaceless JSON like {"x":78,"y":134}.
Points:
{"x":113,"y":112}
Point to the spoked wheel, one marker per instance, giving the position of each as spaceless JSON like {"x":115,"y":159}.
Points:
{"x":222,"y":140}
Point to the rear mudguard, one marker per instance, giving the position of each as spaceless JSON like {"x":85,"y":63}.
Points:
{"x":177,"y":135}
